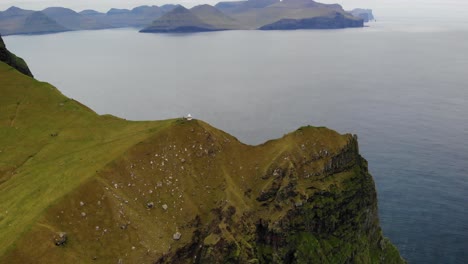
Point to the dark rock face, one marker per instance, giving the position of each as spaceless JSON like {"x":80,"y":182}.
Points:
{"x":338,"y":21}
{"x":336,"y":225}
{"x":12,"y":60}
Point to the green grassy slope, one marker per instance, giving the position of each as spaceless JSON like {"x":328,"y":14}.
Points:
{"x":49,"y":145}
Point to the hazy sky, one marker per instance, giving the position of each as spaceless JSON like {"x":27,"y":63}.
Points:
{"x":382,"y":8}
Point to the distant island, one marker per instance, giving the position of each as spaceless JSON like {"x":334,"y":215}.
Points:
{"x":241,"y":15}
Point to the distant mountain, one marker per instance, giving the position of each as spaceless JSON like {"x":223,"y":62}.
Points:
{"x":179,"y":20}
{"x":90,"y":12}
{"x":15,"y":20}
{"x":242,"y":6}
{"x":167,"y":8}
{"x":364,"y":14}
{"x":263,"y":14}
{"x":39,"y":23}
{"x":212,"y":16}
{"x":19,"y":21}
{"x":137,"y":17}
{"x":250,"y":14}
{"x":73,"y":20}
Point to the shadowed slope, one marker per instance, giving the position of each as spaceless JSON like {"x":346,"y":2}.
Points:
{"x":18,"y":21}
{"x":12,"y":60}
{"x":179,"y":20}
{"x":72,"y":20}
{"x":212,"y":16}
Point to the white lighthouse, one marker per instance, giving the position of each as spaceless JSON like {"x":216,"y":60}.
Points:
{"x":189,"y":117}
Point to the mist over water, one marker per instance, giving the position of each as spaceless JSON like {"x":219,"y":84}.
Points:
{"x":400,"y":85}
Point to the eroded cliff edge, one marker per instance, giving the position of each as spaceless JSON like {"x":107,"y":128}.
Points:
{"x":12,"y":60}
{"x":76,"y":187}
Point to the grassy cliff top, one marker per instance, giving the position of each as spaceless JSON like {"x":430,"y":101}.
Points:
{"x":50,"y":145}
{"x":78,"y":187}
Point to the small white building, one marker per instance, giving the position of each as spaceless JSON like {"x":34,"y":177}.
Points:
{"x":189,"y":117}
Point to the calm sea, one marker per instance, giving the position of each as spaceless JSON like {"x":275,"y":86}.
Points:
{"x":403,"y":89}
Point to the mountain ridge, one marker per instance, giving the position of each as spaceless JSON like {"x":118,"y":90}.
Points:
{"x":241,"y":15}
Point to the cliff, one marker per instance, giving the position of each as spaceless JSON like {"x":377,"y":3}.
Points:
{"x":12,"y":60}
{"x":289,"y":14}
{"x":326,"y":22}
{"x":364,"y":14}
{"x":77,"y":187}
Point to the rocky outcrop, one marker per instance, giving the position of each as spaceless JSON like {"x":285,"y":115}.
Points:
{"x":12,"y":60}
{"x":327,"y":22}
{"x":61,"y":239}
{"x":328,"y":218}
{"x":365,"y":14}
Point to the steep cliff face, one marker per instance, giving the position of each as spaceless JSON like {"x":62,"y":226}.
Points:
{"x":326,"y":22}
{"x":364,"y":14}
{"x":12,"y":60}
{"x":193,"y":194}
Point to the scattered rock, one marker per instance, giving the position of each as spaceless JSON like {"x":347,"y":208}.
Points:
{"x":60,"y":239}
{"x":164,"y":206}
{"x":150,"y":205}
{"x":176,"y":236}
{"x":83,"y":214}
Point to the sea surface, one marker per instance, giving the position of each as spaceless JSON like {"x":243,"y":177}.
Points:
{"x":403,"y":89}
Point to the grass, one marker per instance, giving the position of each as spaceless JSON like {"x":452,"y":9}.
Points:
{"x":37,"y":168}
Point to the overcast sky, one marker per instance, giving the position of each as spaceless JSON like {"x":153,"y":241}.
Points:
{"x":382,"y":8}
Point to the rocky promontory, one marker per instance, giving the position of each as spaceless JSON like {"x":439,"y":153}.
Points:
{"x":78,"y":187}
{"x":12,"y":60}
